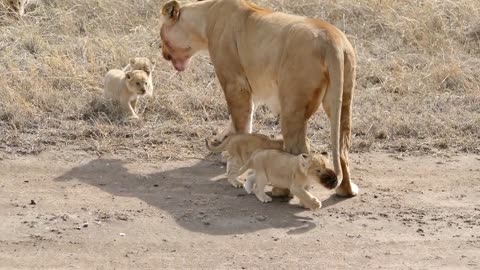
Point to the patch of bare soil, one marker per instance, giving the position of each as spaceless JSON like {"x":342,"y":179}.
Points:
{"x":72,"y":210}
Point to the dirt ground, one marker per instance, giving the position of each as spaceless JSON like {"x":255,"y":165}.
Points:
{"x":63,"y":210}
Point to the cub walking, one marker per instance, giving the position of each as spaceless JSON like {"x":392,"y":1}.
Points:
{"x":125,"y":88}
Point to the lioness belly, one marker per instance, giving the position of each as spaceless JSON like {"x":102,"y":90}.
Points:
{"x":266,"y":94}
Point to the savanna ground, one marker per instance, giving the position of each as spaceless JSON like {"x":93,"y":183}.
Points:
{"x":82,"y":188}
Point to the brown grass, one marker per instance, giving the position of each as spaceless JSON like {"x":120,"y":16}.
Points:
{"x":418,"y":82}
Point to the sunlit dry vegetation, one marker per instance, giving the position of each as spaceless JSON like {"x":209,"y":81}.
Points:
{"x":418,"y":81}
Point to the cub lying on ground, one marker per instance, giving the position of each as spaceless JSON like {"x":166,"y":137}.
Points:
{"x":142,"y":63}
{"x":239,"y":148}
{"x":125,"y":88}
{"x":284,"y":170}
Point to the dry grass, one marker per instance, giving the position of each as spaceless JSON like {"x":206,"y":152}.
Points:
{"x":418,"y":82}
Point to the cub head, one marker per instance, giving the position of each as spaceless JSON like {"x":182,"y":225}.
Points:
{"x":137,"y":81}
{"x":181,"y":33}
{"x":142,"y":63}
{"x":17,"y":6}
{"x":316,"y":167}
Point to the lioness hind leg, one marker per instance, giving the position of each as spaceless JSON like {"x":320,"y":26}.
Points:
{"x":346,"y":187}
{"x":232,"y":173}
{"x":259,"y":189}
{"x":294,"y":128}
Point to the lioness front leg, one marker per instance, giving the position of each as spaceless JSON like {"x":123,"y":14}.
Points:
{"x":306,"y":199}
{"x":240,"y":106}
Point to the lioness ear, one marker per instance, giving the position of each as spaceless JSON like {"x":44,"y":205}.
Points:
{"x":131,"y":61}
{"x":128,"y":75}
{"x":171,"y":12}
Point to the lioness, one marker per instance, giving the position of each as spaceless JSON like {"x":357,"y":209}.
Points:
{"x":291,"y":63}
{"x":287,"y":171}
{"x":145,"y":64}
{"x":239,"y":148}
{"x":125,"y":88}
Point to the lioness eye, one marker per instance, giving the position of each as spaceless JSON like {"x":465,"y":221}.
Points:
{"x":138,"y":83}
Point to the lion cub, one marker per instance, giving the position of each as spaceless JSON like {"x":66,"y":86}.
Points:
{"x":287,"y":171}
{"x":125,"y":88}
{"x":142,"y":63}
{"x":239,"y":148}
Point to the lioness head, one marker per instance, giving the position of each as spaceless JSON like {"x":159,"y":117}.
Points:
{"x":137,"y":81}
{"x":316,"y":166}
{"x":142,"y":63}
{"x":17,"y":6}
{"x":179,"y":34}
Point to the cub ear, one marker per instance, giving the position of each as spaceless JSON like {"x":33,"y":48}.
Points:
{"x":171,"y":12}
{"x":153,"y":63}
{"x":128,"y":75}
{"x":303,"y":159}
{"x":303,"y":163}
{"x":132,"y":61}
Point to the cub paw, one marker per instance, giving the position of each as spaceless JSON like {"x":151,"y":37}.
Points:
{"x":264,"y":198}
{"x":236,"y":183}
{"x":314,"y":204}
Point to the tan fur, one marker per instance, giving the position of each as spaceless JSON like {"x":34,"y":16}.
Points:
{"x":290,"y":63}
{"x":239,"y":148}
{"x":20,"y":6}
{"x":145,"y":64}
{"x":125,"y":88}
{"x":17,"y":6}
{"x":287,"y":171}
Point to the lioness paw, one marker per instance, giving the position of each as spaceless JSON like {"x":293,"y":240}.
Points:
{"x":353,"y":191}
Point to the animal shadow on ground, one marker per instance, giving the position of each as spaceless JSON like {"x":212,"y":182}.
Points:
{"x":197,"y":197}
